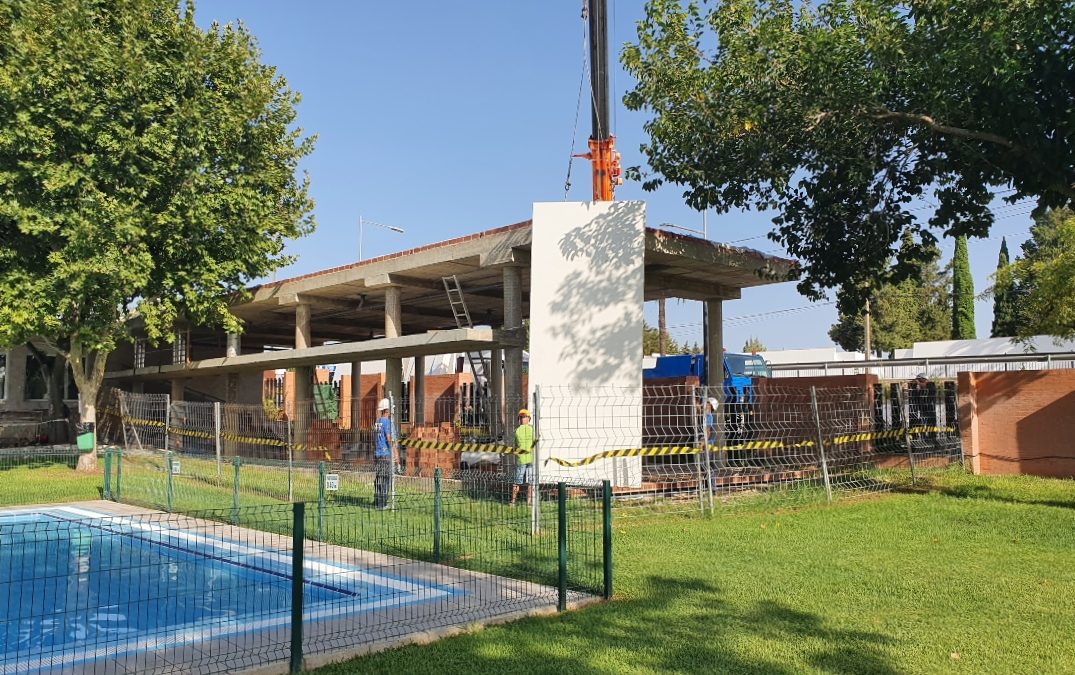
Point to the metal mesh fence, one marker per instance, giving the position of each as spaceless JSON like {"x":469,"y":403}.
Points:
{"x":692,"y":449}
{"x":680,"y":448}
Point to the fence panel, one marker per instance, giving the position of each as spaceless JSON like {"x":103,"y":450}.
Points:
{"x":664,"y":448}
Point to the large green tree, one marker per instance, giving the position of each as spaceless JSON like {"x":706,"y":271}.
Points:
{"x":913,"y":310}
{"x":1044,"y":278}
{"x":1004,"y":311}
{"x":841,"y":115}
{"x":146,"y":165}
{"x":962,"y":293}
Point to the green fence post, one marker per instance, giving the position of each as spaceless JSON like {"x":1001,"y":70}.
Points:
{"x":108,"y":475}
{"x":168,"y":469}
{"x":436,"y":515}
{"x":606,"y":511}
{"x":119,"y":472}
{"x":235,"y":492}
{"x":320,"y":501}
{"x":561,"y":535}
{"x":298,"y":536}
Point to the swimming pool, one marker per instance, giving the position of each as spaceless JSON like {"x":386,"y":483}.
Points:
{"x":78,"y":585}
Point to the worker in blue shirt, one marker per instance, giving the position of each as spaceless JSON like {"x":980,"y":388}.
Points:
{"x":383,"y":456}
{"x":711,"y":422}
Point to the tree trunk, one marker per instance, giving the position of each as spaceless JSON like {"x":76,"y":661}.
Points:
{"x":89,"y":372}
{"x":662,"y":328}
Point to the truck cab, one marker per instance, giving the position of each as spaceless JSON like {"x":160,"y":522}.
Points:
{"x":739,"y":371}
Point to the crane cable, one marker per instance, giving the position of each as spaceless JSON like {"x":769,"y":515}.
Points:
{"x":578,"y":100}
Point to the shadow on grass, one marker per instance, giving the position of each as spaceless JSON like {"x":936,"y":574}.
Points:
{"x":673,"y":625}
{"x":993,"y":493}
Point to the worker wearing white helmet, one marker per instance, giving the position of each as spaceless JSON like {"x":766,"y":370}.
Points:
{"x":382,"y":455}
{"x":711,"y":421}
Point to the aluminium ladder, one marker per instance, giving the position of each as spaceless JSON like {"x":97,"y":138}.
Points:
{"x":478,"y":364}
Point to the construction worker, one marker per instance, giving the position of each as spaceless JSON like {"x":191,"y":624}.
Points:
{"x":711,"y":421}
{"x":383,"y":459}
{"x":524,"y":463}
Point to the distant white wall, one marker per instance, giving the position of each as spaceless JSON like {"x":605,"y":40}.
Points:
{"x":810,"y":355}
{"x":1041,"y":344}
{"x":586,"y":302}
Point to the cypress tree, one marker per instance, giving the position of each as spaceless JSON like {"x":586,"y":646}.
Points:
{"x":962,"y":293}
{"x":1004,"y":315}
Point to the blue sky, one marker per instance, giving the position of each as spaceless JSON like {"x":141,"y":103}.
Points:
{"x":446,"y":118}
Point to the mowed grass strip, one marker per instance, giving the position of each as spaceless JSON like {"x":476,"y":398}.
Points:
{"x":45,"y":480}
{"x":932,"y":582}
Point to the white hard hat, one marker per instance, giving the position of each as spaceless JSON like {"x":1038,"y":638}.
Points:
{"x":383,"y":405}
{"x":713,"y":402}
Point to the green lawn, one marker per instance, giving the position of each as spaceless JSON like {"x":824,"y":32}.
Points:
{"x":971,"y":575}
{"x":960,"y":574}
{"x":47,"y":481}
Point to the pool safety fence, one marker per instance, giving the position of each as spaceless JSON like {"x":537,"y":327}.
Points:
{"x":108,"y":587}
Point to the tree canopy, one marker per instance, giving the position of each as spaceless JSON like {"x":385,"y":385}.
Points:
{"x":914,"y":310}
{"x":840,"y":116}
{"x":651,"y":342}
{"x":753,"y":345}
{"x":1044,"y":278}
{"x":145,"y":165}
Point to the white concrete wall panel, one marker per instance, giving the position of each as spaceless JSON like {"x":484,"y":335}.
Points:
{"x":586,"y":297}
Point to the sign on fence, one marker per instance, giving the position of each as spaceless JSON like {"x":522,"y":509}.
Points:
{"x":332,"y":482}
{"x":175,"y":467}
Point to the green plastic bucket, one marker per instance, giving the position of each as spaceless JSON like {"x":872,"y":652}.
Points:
{"x":85,"y":442}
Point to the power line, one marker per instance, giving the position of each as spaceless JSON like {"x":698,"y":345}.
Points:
{"x":746,"y":318}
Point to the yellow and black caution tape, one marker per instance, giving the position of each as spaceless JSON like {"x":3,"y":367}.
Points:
{"x":749,"y":445}
{"x":463,"y":447}
{"x":495,"y":448}
{"x":662,"y":451}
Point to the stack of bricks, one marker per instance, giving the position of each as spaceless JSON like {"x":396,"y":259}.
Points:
{"x":426,"y":460}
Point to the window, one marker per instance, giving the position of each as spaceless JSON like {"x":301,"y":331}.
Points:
{"x":71,"y":390}
{"x":35,"y":386}
{"x":180,"y":347}
{"x":3,"y":376}
{"x":139,"y":352}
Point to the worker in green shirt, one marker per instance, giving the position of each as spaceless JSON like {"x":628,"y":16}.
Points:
{"x":524,"y":462}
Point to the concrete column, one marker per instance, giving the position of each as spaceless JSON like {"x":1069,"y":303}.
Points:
{"x":714,"y":344}
{"x":138,"y":387}
{"x":356,"y":394}
{"x":513,"y":356}
{"x":231,"y":388}
{"x":234,"y":346}
{"x":496,"y":390}
{"x":392,"y":312}
{"x":303,"y":374}
{"x":178,"y":388}
{"x":418,"y":413}
{"x":393,"y":327}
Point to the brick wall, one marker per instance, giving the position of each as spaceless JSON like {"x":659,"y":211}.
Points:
{"x":784,"y":409}
{"x":1019,"y":422}
{"x":372,"y":387}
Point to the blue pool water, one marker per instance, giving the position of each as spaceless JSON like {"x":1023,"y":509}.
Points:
{"x":68,"y":583}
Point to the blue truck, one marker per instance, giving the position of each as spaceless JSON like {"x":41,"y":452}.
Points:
{"x":739,"y":371}
{"x":738,"y":385}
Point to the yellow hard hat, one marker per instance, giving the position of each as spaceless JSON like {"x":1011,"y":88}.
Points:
{"x":525,"y":412}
